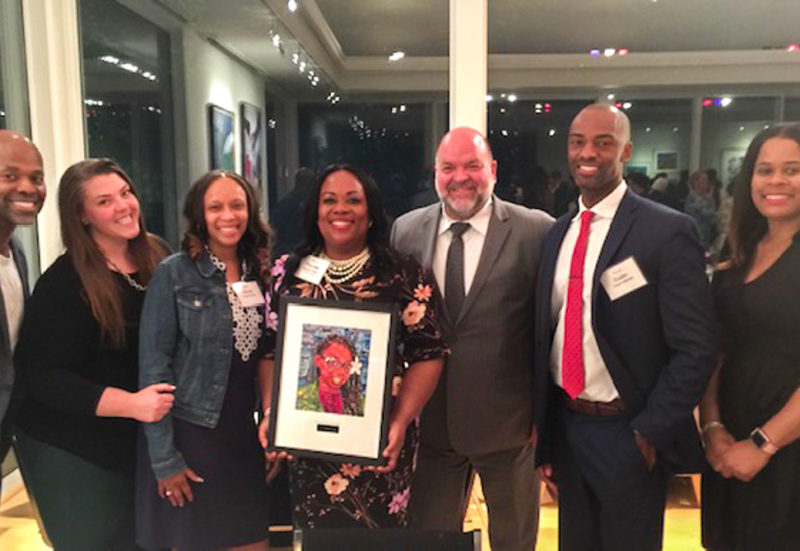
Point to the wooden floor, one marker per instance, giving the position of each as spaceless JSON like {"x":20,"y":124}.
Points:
{"x":19,"y":531}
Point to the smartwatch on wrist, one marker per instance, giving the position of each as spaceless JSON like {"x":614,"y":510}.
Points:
{"x":761,"y":441}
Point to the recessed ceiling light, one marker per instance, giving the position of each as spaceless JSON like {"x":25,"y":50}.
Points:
{"x":397,"y":56}
{"x":292,"y":5}
{"x":610,"y":96}
{"x":489,"y":97}
{"x":512,"y":98}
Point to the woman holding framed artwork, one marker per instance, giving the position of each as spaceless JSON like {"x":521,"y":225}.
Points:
{"x":345,"y":224}
{"x":201,"y":480}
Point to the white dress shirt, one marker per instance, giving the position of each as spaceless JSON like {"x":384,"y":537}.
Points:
{"x":599,"y":387}
{"x":473,"y":240}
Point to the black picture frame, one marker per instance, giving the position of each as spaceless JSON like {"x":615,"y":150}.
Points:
{"x":296,"y":425}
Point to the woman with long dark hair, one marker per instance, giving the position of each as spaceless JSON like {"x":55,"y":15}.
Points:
{"x":346,"y":225}
{"x":201,"y":479}
{"x":751,"y":410}
{"x":78,"y":360}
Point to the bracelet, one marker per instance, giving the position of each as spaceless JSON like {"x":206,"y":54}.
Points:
{"x":711,"y":425}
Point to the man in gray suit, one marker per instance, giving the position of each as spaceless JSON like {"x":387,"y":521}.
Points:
{"x":484,"y":254}
{"x":22,"y":193}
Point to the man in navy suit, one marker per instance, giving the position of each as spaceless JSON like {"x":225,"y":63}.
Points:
{"x":625,"y":346}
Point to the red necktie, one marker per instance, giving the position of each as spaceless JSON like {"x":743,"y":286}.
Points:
{"x":572,"y":374}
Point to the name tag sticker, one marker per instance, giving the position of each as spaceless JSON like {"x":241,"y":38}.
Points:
{"x":312,"y":268}
{"x":623,"y":278}
{"x":249,"y":294}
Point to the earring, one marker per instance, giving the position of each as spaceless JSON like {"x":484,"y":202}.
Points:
{"x":370,"y":224}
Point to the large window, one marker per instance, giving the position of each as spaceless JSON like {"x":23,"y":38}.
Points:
{"x":127,"y":82}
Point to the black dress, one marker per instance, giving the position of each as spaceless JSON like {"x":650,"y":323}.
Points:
{"x":759,"y":322}
{"x":231,"y":507}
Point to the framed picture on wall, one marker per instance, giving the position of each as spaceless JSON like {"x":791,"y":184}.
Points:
{"x":637,"y":169}
{"x":332,"y":381}
{"x":730,"y":164}
{"x":223,"y":142}
{"x":667,"y":160}
{"x":252,"y":140}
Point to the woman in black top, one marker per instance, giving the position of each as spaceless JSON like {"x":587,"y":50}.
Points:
{"x":751,"y":411}
{"x":78,"y":360}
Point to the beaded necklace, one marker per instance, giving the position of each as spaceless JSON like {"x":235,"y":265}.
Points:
{"x":340,"y":271}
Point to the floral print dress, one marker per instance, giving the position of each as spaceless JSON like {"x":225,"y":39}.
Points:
{"x":336,"y":495}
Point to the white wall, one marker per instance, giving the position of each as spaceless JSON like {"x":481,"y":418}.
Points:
{"x":212,"y":76}
{"x":661,"y":137}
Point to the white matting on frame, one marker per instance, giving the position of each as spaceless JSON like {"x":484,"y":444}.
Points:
{"x":356,"y":436}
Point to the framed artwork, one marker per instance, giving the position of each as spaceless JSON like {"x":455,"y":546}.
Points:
{"x":667,"y":160}
{"x":637,"y":169}
{"x":252,"y":140}
{"x":730,"y":164}
{"x":222,"y":146}
{"x":332,"y":380}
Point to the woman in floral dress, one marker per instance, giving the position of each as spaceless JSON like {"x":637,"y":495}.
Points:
{"x":345,"y":224}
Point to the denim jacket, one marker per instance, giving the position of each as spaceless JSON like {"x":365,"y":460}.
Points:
{"x":186,"y":339}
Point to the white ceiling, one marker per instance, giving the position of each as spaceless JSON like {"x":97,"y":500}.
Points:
{"x":419,"y":27}
{"x":350,"y":39}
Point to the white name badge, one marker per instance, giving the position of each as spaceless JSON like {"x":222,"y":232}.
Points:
{"x":623,"y":278}
{"x":249,"y":294}
{"x":312,"y":268}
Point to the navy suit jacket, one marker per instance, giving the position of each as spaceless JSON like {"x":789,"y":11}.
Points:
{"x":658,"y":342}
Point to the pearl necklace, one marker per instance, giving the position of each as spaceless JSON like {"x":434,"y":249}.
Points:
{"x":340,"y":271}
{"x":128,"y":279}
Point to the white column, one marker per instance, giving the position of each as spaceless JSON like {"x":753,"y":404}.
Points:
{"x":468,"y":63}
{"x":695,"y":140}
{"x":52,"y":50}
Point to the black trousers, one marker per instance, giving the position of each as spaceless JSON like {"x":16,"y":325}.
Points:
{"x":608,"y":499}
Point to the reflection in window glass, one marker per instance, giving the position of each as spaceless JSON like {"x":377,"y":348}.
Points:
{"x":791,"y":110}
{"x":387,"y":140}
{"x":127,"y":100}
{"x":529,"y":142}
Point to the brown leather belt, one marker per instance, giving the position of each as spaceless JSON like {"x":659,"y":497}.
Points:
{"x":597,"y":409}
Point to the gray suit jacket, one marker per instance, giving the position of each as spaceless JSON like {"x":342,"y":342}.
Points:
{"x":484,"y":398}
{"x":6,"y":354}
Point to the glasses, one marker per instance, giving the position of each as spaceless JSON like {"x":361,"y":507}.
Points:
{"x":330,"y":361}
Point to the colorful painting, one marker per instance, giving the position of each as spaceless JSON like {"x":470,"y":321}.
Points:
{"x":220,"y":124}
{"x":333,"y":369}
{"x":252,"y":134}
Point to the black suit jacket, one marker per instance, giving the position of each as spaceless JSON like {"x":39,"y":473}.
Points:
{"x":658,"y":342}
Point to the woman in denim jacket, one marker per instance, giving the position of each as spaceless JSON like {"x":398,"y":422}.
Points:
{"x":201,"y":480}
